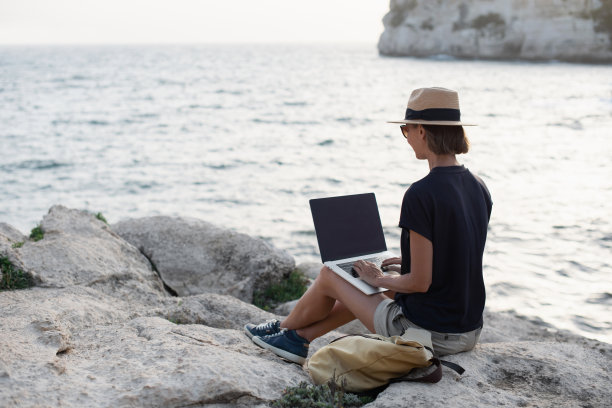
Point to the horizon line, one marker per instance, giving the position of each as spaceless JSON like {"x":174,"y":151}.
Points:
{"x":220,"y":43}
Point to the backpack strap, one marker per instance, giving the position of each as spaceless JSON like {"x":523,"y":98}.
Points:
{"x":453,"y":366}
{"x":433,"y":376}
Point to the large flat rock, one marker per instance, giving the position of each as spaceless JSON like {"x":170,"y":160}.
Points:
{"x":76,"y":347}
{"x":79,"y":249}
{"x":194,"y":256}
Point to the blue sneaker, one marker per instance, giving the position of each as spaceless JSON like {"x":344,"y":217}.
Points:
{"x":263,"y":329}
{"x":286,"y":344}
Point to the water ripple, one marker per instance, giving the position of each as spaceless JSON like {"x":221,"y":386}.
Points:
{"x":33,"y":165}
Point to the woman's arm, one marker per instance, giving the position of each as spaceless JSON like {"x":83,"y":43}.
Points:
{"x":419,"y":278}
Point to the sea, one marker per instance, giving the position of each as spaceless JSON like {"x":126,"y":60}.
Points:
{"x":243,"y":136}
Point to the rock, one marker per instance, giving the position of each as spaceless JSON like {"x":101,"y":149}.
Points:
{"x":82,"y":338}
{"x":517,"y":374}
{"x":10,"y":233}
{"x":211,"y":309}
{"x":79,"y":340}
{"x":77,"y":347}
{"x":193,"y":256}
{"x":499,"y":29}
{"x":285,"y":308}
{"x":78,"y":249}
{"x":9,"y":238}
{"x":518,"y":362}
{"x":310,"y":269}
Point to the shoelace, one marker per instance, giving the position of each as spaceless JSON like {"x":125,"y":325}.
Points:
{"x":280,"y":333}
{"x":271,"y":325}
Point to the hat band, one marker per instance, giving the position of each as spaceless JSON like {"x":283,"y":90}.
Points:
{"x":434,"y":114}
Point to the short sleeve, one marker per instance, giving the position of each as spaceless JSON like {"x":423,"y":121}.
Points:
{"x":487,"y":195}
{"x":417,"y":212}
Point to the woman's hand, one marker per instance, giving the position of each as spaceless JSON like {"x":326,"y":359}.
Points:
{"x":368,"y":272}
{"x":421,"y":269}
{"x":392,"y":264}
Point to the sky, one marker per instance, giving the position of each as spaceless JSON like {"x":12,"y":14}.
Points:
{"x":190,"y":21}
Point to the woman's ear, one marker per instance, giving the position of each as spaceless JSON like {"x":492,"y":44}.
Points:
{"x":421,"y":130}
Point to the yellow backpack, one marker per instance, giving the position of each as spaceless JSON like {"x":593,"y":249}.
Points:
{"x":368,"y":361}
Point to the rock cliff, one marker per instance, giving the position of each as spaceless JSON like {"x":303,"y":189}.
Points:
{"x":566,"y":30}
{"x":102,"y":328}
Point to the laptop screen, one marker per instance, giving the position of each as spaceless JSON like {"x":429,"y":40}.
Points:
{"x":347,"y":226}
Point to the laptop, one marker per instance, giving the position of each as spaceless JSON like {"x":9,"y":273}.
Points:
{"x":348,"y":229}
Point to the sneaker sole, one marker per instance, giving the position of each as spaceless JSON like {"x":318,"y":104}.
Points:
{"x":279,"y":352}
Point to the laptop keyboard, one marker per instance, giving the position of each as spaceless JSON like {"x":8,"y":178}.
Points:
{"x":348,"y":266}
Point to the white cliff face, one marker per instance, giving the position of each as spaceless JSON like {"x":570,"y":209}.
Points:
{"x":568,"y":30}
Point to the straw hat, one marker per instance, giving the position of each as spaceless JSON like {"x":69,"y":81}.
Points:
{"x":433,"y":106}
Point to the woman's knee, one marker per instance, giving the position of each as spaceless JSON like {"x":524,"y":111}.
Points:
{"x":327,"y":276}
{"x":325,"y":271}
{"x":327,"y":281}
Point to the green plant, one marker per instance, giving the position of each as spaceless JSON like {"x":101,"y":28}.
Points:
{"x":13,"y":278}
{"x":493,"y":20}
{"x":405,"y":6}
{"x":173,"y":320}
{"x":293,"y":287}
{"x":37,"y":233}
{"x":330,"y":395}
{"x":398,"y":13}
{"x":17,"y":244}
{"x":101,"y":218}
{"x":427,"y":25}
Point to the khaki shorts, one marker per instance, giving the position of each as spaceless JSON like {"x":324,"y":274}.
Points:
{"x":390,"y":321}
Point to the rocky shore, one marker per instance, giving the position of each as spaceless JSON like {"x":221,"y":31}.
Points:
{"x":149,"y":312}
{"x":577,"y":31}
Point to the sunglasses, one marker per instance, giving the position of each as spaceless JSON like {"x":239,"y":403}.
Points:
{"x":404,"y":129}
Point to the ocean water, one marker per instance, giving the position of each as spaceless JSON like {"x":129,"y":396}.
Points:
{"x":244,"y":135}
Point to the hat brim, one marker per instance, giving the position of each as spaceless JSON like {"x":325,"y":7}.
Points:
{"x":432,"y":122}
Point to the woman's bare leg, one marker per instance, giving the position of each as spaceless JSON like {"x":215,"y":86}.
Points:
{"x":329,"y":303}
{"x":338,"y":316}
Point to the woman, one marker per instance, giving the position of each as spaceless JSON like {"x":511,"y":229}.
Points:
{"x":444,"y":220}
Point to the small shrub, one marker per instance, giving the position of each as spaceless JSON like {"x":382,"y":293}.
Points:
{"x":37,"y":233}
{"x":293,"y":287}
{"x":405,"y":6}
{"x":488,"y":20}
{"x":399,"y":13}
{"x":490,"y":25}
{"x":397,"y":18}
{"x":17,"y":244}
{"x":602,"y":17}
{"x":427,"y":25}
{"x":13,"y":278}
{"x":329,"y":395}
{"x":101,"y":218}
{"x":458,"y":25}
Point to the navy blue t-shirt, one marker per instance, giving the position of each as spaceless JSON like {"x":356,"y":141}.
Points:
{"x":450,"y":207}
